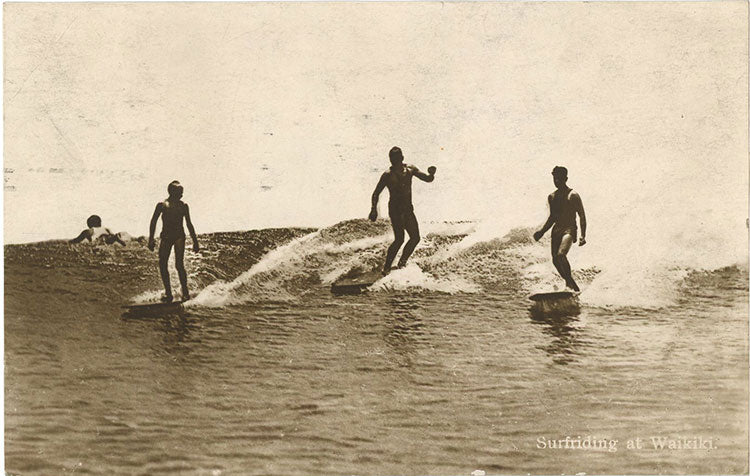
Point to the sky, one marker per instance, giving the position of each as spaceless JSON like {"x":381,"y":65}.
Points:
{"x":282,"y":114}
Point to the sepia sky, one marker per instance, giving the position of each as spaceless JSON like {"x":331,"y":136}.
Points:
{"x":283,"y":114}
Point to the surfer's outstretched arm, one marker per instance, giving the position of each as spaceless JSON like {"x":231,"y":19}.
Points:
{"x":423,"y":176}
{"x":548,"y":224}
{"x":581,"y":216}
{"x":190,"y":228}
{"x":152,"y":226}
{"x":375,"y":195}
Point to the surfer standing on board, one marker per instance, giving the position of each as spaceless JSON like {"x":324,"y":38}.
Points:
{"x":564,"y":203}
{"x":400,"y":209}
{"x":172,"y":211}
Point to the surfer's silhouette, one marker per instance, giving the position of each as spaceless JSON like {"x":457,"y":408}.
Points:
{"x":172,"y":211}
{"x":564,"y":203}
{"x":400,"y":208}
{"x":96,"y":233}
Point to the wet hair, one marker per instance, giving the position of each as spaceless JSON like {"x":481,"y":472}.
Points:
{"x":174,"y":187}
{"x":559,"y":171}
{"x":395,"y":155}
{"x":94,"y":221}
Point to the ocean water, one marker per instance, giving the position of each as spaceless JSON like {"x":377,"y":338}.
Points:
{"x":442,"y":368}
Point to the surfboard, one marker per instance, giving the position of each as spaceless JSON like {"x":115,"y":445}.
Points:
{"x":553,"y":296}
{"x":554,"y":304}
{"x":355,"y":284}
{"x":154,"y":307}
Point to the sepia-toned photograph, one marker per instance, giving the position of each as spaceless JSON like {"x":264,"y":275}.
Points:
{"x":376,"y":238}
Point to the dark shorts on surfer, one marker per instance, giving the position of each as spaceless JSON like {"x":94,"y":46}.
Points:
{"x":402,"y":217}
{"x":557,"y":236}
{"x":171,"y":237}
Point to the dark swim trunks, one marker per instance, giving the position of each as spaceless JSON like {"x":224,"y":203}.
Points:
{"x":558,"y":233}
{"x":401,"y":216}
{"x":171,"y":237}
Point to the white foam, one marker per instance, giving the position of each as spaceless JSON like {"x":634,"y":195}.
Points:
{"x":412,"y":277}
{"x":222,"y":293}
{"x":449,"y":228}
{"x":147,"y":296}
{"x":265,"y":280}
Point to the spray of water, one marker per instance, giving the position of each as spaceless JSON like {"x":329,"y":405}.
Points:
{"x":644,"y":237}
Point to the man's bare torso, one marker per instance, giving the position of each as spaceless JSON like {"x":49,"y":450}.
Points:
{"x":563,"y":208}
{"x":398,"y":182}
{"x":172,"y":214}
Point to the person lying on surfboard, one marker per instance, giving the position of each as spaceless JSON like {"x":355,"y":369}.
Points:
{"x":400,"y":209}
{"x":172,"y":211}
{"x":564,"y":203}
{"x":96,"y":233}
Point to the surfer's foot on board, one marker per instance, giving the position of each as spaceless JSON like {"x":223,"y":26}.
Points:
{"x":167,"y":298}
{"x":388,"y":270}
{"x":572,"y":286}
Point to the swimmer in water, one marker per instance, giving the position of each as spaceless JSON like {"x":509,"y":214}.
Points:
{"x":96,"y":233}
{"x":564,"y":203}
{"x":172,"y":211}
{"x":400,"y":208}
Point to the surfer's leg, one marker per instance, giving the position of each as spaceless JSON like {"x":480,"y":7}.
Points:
{"x":179,"y":263}
{"x":165,"y":247}
{"x":412,"y":228}
{"x":397,"y":223}
{"x":556,"y":239}
{"x":562,"y":264}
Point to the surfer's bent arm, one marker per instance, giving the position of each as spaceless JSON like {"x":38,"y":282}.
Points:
{"x":581,"y":216}
{"x":85,"y":234}
{"x":423,"y":176}
{"x":190,"y":228}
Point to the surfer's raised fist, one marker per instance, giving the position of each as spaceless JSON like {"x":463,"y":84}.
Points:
{"x":431,"y":170}
{"x":373,"y":215}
